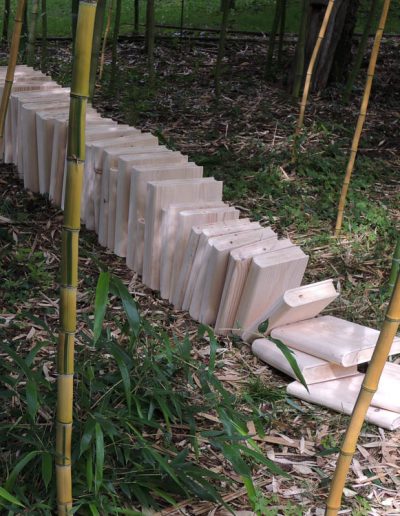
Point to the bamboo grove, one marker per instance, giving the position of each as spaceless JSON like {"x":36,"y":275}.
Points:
{"x":88,"y":17}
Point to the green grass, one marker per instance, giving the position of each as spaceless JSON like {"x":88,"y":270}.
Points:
{"x":249,"y":15}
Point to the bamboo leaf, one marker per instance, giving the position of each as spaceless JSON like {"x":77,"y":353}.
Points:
{"x":32,"y":398}
{"x":89,"y":470}
{"x":126,"y":380}
{"x":128,"y":302}
{"x":9,"y":497}
{"x":87,"y":436}
{"x":47,"y":468}
{"x":290,"y":357}
{"x":18,"y":468}
{"x":98,"y":479}
{"x":93,"y":509}
{"x":100,"y":303}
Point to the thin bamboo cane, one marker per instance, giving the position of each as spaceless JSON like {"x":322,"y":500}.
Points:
{"x":30,"y":49}
{"x":282,"y":26}
{"x":12,"y":62}
{"x":360,"y":50}
{"x":136,"y":17}
{"x":272,"y":36}
{"x":361,"y":116}
{"x":6,"y":19}
{"x":311,"y":64}
{"x":43,"y":57}
{"x":106,"y":32}
{"x":69,"y":255}
{"x":300,"y":51}
{"x":182,"y":16}
{"x":395,"y":266}
{"x":368,"y":389}
{"x":98,"y":32}
{"x":226,"y":6}
{"x":150,"y":38}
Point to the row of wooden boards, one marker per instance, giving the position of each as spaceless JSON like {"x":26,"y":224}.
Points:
{"x":154,"y":207}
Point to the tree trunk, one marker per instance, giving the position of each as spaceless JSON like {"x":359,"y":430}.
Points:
{"x":43,"y":56}
{"x":272,"y":35}
{"x":297,"y":71}
{"x":282,"y":26}
{"x":32,"y":33}
{"x":221,"y":48}
{"x":150,"y":37}
{"x":136,"y":17}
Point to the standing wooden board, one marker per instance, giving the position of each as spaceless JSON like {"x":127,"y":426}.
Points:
{"x":270,"y":275}
{"x":160,"y":195}
{"x":140,"y":176}
{"x":238,"y":269}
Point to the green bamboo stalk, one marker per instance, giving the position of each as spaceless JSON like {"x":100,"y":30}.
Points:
{"x":97,"y":34}
{"x":12,"y":62}
{"x":282,"y":27}
{"x":150,"y":38}
{"x":368,"y":389}
{"x":182,"y":16}
{"x":395,"y":266}
{"x":30,"y":49}
{"x":43,"y":56}
{"x":106,"y":32}
{"x":272,"y":36}
{"x":226,"y":6}
{"x":311,"y":65}
{"x":70,"y":252}
{"x":74,"y":18}
{"x":300,"y":51}
{"x":24,"y":33}
{"x":360,"y":50}
{"x":117,"y":23}
{"x":362,"y":116}
{"x":6,"y":21}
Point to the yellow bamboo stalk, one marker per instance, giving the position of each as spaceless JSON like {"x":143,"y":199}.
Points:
{"x":12,"y":62}
{"x":69,"y":255}
{"x":311,"y":65}
{"x":368,"y":389}
{"x":361,"y":116}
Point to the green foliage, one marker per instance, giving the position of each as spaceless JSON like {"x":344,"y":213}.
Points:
{"x":133,"y":395}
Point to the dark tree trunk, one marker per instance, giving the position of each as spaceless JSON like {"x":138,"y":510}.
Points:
{"x":335,"y":53}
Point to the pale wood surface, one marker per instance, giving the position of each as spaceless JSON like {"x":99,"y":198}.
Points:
{"x":340,"y":395}
{"x":140,"y":176}
{"x":238,"y":269}
{"x":270,"y":275}
{"x":333,"y":339}
{"x":186,"y":220}
{"x":314,"y":369}
{"x":161,"y":194}
{"x":193,"y":258}
{"x":301,"y":303}
{"x":217,"y":265}
{"x":169,"y":227}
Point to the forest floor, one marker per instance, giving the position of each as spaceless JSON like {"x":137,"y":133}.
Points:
{"x":244,"y":139}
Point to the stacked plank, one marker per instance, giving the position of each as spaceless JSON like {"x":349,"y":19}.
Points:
{"x":153,"y":207}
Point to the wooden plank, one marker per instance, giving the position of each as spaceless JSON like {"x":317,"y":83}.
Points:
{"x":210,"y":283}
{"x":301,"y":303}
{"x":107,"y":212}
{"x":333,"y":339}
{"x":270,"y":275}
{"x":126,"y":165}
{"x":238,"y":269}
{"x":313,"y":369}
{"x":161,"y":194}
{"x":95,"y":152}
{"x":186,"y":220}
{"x":169,"y":223}
{"x":193,"y":258}
{"x":340,"y":395}
{"x":140,"y":176}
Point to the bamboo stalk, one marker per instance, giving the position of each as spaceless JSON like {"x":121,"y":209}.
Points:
{"x":368,"y":389}
{"x":70,"y":253}
{"x":272,"y":36}
{"x":30,"y":49}
{"x":114,"y":52}
{"x":182,"y":16}
{"x":97,"y":34}
{"x":311,"y":64}
{"x":394,"y":272}
{"x":12,"y":62}
{"x":136,"y":17}
{"x":43,"y":57}
{"x":226,"y":6}
{"x":282,"y":26}
{"x":150,"y":38}
{"x":300,"y":51}
{"x":360,"y":50}
{"x":6,"y":20}
{"x":361,"y":116}
{"x":106,"y":32}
